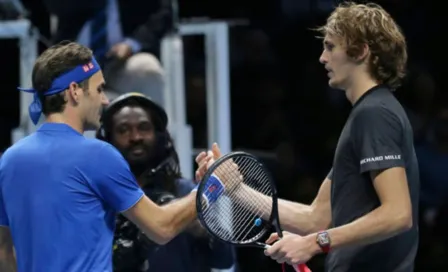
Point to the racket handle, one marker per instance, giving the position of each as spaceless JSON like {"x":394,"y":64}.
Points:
{"x":298,"y":268}
{"x":301,"y":268}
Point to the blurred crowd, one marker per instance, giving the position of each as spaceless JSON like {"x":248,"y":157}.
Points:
{"x":282,"y":107}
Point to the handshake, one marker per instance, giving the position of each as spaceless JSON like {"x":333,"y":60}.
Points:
{"x":219,"y":176}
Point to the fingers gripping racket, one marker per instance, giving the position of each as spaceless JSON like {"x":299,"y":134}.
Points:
{"x":237,"y":202}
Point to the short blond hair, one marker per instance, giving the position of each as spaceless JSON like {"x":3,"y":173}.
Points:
{"x":359,"y":24}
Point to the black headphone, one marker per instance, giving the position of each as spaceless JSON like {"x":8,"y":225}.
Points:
{"x":160,"y":117}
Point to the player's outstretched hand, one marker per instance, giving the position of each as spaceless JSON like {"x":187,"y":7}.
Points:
{"x":227,"y":172}
{"x":205,"y":160}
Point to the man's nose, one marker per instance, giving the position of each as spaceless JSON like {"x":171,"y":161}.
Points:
{"x":136,"y":136}
{"x":104,"y":99}
{"x":323,"y":58}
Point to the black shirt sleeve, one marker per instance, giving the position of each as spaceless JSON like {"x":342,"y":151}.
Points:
{"x":330,"y":174}
{"x":377,"y":138}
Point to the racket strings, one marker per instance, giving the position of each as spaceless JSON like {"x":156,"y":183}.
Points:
{"x":237,"y":215}
{"x":253,"y":178}
{"x":259,"y":208}
{"x":263,"y":190}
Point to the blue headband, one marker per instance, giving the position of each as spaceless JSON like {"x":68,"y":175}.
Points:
{"x":60,"y":84}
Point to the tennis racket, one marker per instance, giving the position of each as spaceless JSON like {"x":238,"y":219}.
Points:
{"x":237,"y":202}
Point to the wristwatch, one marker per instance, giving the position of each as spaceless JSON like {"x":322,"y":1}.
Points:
{"x":323,"y":240}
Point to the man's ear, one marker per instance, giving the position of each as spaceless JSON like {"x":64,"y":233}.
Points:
{"x":74,"y":93}
{"x":364,"y":53}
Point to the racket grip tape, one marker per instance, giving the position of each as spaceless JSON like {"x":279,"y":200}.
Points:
{"x":302,"y":268}
{"x":297,"y":268}
{"x":213,"y":189}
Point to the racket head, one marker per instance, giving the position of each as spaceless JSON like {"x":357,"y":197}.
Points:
{"x":213,"y":227}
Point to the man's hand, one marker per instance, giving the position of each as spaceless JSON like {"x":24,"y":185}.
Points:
{"x":205,"y":160}
{"x":120,"y":50}
{"x":292,"y":249}
{"x":227,"y":172}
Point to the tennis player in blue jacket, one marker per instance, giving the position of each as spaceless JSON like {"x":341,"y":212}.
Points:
{"x":59,"y":191}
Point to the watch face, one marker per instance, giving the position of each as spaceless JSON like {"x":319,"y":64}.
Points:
{"x":323,"y":239}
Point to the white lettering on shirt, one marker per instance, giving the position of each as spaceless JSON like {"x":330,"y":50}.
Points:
{"x":380,"y":158}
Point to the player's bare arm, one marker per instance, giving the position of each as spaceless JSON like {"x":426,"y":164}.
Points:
{"x":294,"y":217}
{"x":7,"y":259}
{"x":305,"y":219}
{"x":393,"y":216}
{"x":163,"y":223}
{"x":194,"y":228}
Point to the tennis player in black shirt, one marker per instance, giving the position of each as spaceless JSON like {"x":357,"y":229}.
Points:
{"x":365,"y":213}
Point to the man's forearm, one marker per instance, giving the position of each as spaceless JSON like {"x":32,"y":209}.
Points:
{"x":375,"y":226}
{"x":179,"y":214}
{"x":294,"y":217}
{"x":163,"y":223}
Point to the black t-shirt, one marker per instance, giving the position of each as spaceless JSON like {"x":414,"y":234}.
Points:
{"x":376,"y":136}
